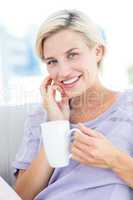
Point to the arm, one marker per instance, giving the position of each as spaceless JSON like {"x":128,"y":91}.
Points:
{"x":122,"y":165}
{"x":33,"y":180}
{"x":92,"y":148}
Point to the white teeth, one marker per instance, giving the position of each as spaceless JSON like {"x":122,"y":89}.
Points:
{"x":71,"y":80}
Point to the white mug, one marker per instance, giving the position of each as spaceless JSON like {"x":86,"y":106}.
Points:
{"x":56,"y":137}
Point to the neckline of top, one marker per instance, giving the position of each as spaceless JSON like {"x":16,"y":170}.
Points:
{"x":103,"y":115}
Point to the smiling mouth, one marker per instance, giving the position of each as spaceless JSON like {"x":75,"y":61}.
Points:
{"x":71,"y":82}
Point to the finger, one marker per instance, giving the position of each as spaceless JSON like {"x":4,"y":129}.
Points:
{"x":47,"y":81}
{"x":43,"y":88}
{"x":42,"y":91}
{"x":50,"y":93}
{"x":77,"y":155}
{"x":83,"y":147}
{"x":60,"y":89}
{"x":81,"y":156}
{"x":64,"y":104}
{"x":83,"y":138}
{"x":78,"y":159}
{"x":88,"y":131}
{"x":64,"y":100}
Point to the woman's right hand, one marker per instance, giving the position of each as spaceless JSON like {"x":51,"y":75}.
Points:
{"x":55,"y":110}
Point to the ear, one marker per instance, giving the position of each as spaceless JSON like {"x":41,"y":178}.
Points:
{"x":100,"y":51}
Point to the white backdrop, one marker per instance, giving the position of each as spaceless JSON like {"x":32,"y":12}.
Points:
{"x":114,"y":16}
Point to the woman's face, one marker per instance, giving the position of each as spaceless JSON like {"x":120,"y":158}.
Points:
{"x":71,"y":63}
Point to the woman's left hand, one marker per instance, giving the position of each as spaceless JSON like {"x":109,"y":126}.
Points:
{"x":92,"y":148}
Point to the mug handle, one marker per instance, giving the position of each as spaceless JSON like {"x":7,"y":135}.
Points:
{"x":69,"y":133}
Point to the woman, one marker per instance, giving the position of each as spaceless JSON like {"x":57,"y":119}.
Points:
{"x":73,"y":47}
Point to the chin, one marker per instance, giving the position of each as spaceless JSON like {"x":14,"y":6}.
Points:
{"x":76,"y":93}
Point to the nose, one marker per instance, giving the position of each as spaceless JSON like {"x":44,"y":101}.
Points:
{"x":65,"y":71}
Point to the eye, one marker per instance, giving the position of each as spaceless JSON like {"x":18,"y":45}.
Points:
{"x":72,"y":55}
{"x":51,"y":62}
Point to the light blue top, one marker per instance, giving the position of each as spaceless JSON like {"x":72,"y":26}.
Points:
{"x":78,"y":181}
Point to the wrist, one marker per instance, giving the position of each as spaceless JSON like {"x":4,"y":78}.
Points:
{"x":114,"y":160}
{"x":119,"y":161}
{"x":55,"y":117}
{"x":123,"y":167}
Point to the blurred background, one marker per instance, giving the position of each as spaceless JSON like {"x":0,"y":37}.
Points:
{"x":21,"y":72}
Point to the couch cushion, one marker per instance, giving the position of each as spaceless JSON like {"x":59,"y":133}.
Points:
{"x":11,"y":131}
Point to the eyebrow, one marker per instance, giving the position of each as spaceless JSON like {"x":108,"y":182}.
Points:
{"x":68,"y":51}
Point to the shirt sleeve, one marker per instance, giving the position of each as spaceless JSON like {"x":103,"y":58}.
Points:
{"x":31,"y":142}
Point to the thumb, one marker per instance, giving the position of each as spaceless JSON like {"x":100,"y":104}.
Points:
{"x":87,"y":130}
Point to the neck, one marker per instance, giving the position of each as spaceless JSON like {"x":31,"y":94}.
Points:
{"x":92,"y":99}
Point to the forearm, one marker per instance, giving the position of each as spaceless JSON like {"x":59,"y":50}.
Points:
{"x":122,"y":165}
{"x":35,"y":178}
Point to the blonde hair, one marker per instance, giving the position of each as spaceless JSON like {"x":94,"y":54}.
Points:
{"x":69,"y":19}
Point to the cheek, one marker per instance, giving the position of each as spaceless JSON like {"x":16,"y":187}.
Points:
{"x":85,"y":62}
{"x":90,"y":71}
{"x":90,"y":65}
{"x":52,"y":73}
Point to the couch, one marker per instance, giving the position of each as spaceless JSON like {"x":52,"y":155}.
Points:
{"x":11,"y":132}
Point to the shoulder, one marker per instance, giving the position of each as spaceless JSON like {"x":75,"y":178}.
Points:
{"x":128,"y":95}
{"x":37,"y":116}
{"x":126,"y":102}
{"x":123,"y":111}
